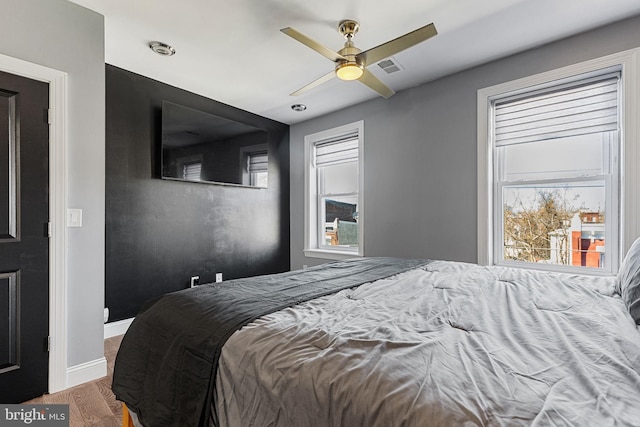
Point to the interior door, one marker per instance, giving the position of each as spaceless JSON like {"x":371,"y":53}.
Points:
{"x":24,"y":243}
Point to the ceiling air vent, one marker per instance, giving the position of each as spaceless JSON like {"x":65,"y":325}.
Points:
{"x":390,"y":66}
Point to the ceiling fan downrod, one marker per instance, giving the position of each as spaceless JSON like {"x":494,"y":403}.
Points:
{"x":353,"y":67}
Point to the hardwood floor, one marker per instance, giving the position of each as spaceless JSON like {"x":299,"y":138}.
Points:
{"x":93,"y":403}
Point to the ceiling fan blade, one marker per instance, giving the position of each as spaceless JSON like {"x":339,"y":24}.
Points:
{"x":315,"y":83}
{"x":374,"y":83}
{"x":309,"y":42}
{"x":399,"y":44}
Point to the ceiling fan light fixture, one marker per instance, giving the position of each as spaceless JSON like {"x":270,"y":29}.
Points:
{"x":349,"y":71}
{"x":350,"y":61}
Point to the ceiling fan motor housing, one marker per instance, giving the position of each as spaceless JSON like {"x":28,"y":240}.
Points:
{"x":348,"y":28}
{"x":353,"y":67}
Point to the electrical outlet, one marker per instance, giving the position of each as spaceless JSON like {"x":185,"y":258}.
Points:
{"x":218,"y":277}
{"x":195,"y":281}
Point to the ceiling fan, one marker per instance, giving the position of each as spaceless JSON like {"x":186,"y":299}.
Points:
{"x":351,"y":62}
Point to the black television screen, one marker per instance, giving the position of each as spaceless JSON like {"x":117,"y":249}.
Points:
{"x":203,"y":147}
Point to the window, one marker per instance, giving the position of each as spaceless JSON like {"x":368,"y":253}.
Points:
{"x":333,"y":196}
{"x":254,"y":165}
{"x":556,"y":174}
{"x":189,"y":168}
{"x":258,"y":169}
{"x":192,"y":171}
{"x":551,"y":156}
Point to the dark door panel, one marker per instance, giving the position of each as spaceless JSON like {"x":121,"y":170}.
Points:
{"x":8,"y":151}
{"x":24,"y":245}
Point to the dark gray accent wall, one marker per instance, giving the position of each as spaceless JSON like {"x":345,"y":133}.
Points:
{"x":159,"y":232}
{"x":420,"y":151}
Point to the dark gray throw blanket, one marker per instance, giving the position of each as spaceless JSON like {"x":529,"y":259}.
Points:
{"x":166,"y":366}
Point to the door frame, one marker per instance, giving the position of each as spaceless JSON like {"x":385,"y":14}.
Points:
{"x":57,"y":81}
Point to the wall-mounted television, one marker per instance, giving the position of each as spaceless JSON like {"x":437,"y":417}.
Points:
{"x":202,"y":147}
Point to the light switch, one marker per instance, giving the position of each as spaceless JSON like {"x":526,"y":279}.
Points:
{"x":74,"y":217}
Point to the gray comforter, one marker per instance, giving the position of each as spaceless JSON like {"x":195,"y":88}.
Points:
{"x":166,"y":366}
{"x":449,"y":344}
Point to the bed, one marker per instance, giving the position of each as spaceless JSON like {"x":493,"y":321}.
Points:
{"x":389,"y":342}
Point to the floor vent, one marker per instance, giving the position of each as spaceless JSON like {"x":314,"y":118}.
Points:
{"x":390,"y":66}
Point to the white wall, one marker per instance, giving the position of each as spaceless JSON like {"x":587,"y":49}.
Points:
{"x":420,"y":150}
{"x":63,"y":36}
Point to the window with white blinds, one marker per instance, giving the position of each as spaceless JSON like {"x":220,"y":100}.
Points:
{"x":192,"y":171}
{"x":336,"y":150}
{"x":556,"y":175}
{"x":258,"y":162}
{"x":333,"y":199}
{"x":590,"y":107}
{"x":257,"y":169}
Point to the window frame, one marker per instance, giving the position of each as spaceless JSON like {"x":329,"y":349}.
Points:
{"x":254,"y":179}
{"x":628,"y":224}
{"x":609,"y":179}
{"x":249,"y":178}
{"x":313,"y":247}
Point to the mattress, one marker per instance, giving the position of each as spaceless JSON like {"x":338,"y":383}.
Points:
{"x":447,"y":344}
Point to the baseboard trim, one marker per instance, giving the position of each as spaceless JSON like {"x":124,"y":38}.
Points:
{"x":86,"y":372}
{"x":114,"y":329}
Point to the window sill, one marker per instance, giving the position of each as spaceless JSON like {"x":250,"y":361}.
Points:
{"x":555,"y":268}
{"x":335,"y":255}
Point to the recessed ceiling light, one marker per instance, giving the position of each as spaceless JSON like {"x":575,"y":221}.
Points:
{"x":298,"y":107}
{"x":162,"y":48}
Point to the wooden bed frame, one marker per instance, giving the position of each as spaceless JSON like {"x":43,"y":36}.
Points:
{"x":127,"y":421}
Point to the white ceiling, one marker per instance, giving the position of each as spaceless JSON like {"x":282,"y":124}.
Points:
{"x":233,"y":51}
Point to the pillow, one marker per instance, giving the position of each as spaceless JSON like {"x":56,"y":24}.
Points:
{"x":629,"y":280}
